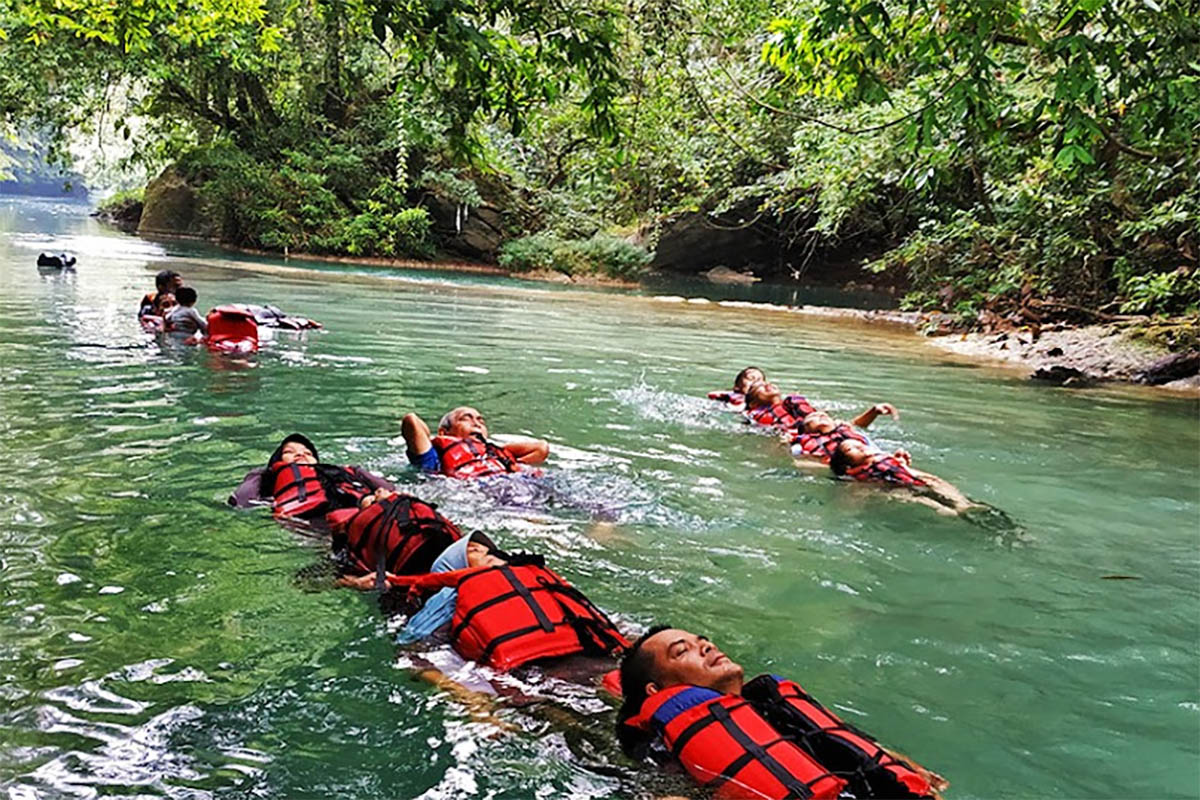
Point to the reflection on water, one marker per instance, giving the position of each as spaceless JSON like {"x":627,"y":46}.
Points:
{"x":155,"y":643}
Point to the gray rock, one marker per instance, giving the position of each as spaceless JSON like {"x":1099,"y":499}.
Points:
{"x":171,"y":206}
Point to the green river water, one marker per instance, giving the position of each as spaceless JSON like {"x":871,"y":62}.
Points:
{"x":153,"y":642}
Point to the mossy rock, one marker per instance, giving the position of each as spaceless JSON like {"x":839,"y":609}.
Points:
{"x":171,"y":205}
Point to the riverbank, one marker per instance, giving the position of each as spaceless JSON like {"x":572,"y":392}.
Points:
{"x":1082,"y":356}
{"x":1070,"y":356}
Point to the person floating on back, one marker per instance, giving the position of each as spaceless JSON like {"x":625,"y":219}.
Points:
{"x":766,"y":405}
{"x":819,"y":434}
{"x":298,"y":485}
{"x":685,"y":700}
{"x":461,"y":448}
{"x":858,"y":461}
{"x":184,"y":319}
{"x":736,"y":399}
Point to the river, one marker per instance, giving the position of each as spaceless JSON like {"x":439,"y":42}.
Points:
{"x":153,"y":642}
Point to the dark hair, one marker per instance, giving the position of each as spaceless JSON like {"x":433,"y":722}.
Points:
{"x":637,"y":669}
{"x":839,"y":462}
{"x":163,"y":279}
{"x":186,"y":295}
{"x":738,"y":380}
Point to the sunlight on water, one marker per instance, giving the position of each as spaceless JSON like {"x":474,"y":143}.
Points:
{"x":154,"y":642}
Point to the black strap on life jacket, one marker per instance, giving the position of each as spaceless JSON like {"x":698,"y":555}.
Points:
{"x":593,"y":638}
{"x":751,"y":750}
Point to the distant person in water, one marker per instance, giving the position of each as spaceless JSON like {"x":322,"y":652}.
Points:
{"x":687,"y":702}
{"x":819,"y":434}
{"x":165,"y":283}
{"x":461,"y":448}
{"x":862,"y":462}
{"x":298,"y":485}
{"x":766,"y":405}
{"x":184,"y":319}
{"x":736,"y":399}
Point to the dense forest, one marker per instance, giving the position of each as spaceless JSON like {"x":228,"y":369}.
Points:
{"x":985,"y":155}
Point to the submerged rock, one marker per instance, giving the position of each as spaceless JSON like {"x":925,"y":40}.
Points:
{"x":1063,"y":376}
{"x":727,"y":275}
{"x":58,"y":260}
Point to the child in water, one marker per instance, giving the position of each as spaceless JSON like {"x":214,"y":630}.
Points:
{"x":860,"y":461}
{"x":183,"y":319}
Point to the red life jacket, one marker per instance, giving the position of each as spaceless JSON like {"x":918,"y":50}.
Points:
{"x":512,"y":614}
{"x":472,"y":457}
{"x":298,"y":491}
{"x":887,"y":470}
{"x":787,"y":413}
{"x":728,"y":746}
{"x":841,"y":748}
{"x":403,"y":534}
{"x":822,"y":445}
{"x":232,"y":329}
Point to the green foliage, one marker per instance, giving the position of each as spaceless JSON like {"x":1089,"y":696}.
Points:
{"x":121,"y":200}
{"x":304,"y":204}
{"x":601,"y":254}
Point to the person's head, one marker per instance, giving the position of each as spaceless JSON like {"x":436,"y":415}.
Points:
{"x":476,"y":550}
{"x":667,"y":657}
{"x":463,"y":421}
{"x":186,"y":296}
{"x":763,"y":395}
{"x":295,"y":449}
{"x":849,"y":453}
{"x":819,"y":422}
{"x":482,"y":552}
{"x":168,"y":280}
{"x":166,"y":301}
{"x":747,"y":378}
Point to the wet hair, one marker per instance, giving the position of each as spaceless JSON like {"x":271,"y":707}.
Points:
{"x":163,"y":279}
{"x":447,"y":420}
{"x":839,"y":462}
{"x":637,"y":669}
{"x":186,"y":295}
{"x":741,"y":375}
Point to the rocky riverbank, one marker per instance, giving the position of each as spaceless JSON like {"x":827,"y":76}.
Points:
{"x":1085,"y":355}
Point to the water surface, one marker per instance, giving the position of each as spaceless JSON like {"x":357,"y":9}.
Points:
{"x":155,"y":643}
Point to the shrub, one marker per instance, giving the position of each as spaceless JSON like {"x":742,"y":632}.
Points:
{"x":601,"y":254}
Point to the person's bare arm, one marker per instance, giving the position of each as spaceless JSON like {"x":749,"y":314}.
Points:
{"x":481,"y":706}
{"x":416,"y":434}
{"x":864,"y":419}
{"x":529,"y":451}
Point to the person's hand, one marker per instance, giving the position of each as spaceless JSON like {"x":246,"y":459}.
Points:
{"x":364,"y":583}
{"x":903,"y":457}
{"x":886,"y":408}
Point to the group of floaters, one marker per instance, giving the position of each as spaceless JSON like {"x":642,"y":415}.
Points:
{"x":231,"y":328}
{"x":816,"y":437}
{"x":683,"y":701}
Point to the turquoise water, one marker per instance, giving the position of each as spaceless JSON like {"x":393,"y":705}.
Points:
{"x":155,"y":643}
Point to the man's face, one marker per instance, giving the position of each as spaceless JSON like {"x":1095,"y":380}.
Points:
{"x":176,"y":282}
{"x":818,"y":422}
{"x":296,"y":453}
{"x":685,"y":658}
{"x":466,"y":421}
